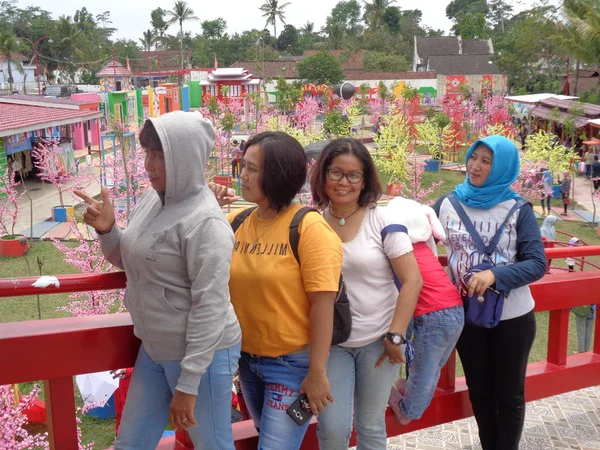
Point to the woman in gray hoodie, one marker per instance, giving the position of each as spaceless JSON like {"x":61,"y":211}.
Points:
{"x":176,"y":252}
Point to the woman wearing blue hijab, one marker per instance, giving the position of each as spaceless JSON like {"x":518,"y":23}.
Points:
{"x":495,"y":359}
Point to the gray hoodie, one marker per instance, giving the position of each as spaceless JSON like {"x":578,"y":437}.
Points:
{"x":177,"y":257}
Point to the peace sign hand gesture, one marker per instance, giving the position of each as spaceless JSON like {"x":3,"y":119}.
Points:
{"x":99,"y":215}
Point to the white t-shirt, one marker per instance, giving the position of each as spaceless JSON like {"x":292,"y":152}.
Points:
{"x":369,"y":278}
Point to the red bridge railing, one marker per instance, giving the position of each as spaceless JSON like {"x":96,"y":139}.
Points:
{"x":67,"y":347}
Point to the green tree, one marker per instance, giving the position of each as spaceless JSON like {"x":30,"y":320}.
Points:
{"x":392,"y":18}
{"x":288,"y":40}
{"x":374,"y":12}
{"x":180,"y":13}
{"x":336,"y":33}
{"x":383,"y":62}
{"x":348,"y":13}
{"x":584,"y":15}
{"x":159,"y":24}
{"x":214,"y":29}
{"x":457,"y":7}
{"x":273,"y":11}
{"x":288,"y":94}
{"x":148,"y":40}
{"x":322,"y":68}
{"x":8,"y":49}
{"x":499,"y":12}
{"x":472,"y":26}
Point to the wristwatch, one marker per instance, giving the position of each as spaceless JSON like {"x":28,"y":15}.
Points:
{"x":396,"y":338}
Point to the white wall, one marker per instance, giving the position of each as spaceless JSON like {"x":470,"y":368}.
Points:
{"x":19,"y":78}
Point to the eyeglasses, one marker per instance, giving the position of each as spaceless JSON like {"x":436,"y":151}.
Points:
{"x":337,"y":175}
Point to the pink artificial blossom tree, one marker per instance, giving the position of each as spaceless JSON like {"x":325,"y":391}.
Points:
{"x":9,"y":204}
{"x":13,"y":435}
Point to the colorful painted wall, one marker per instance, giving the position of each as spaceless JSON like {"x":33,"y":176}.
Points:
{"x":107,"y":84}
{"x":482,"y":84}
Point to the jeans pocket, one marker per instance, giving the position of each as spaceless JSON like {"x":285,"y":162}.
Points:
{"x":298,"y":362}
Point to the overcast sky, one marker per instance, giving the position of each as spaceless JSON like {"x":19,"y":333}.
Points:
{"x":132,"y":17}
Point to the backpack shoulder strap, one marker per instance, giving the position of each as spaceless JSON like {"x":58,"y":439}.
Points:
{"x":239,"y":219}
{"x":462,"y":214}
{"x":295,"y":230}
{"x":491,"y":248}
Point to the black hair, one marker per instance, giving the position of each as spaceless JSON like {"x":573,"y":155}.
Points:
{"x":149,"y":138}
{"x":372,"y":186}
{"x":283,"y":168}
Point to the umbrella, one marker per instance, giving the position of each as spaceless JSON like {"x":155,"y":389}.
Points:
{"x":96,"y":388}
{"x":314,"y":150}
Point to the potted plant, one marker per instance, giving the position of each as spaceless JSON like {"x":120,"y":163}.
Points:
{"x":11,"y":243}
{"x":54,"y":170}
{"x":431,"y":134}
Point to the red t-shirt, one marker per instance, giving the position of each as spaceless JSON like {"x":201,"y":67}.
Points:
{"x":438,"y":292}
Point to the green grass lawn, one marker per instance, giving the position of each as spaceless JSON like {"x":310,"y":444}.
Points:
{"x":16,"y":309}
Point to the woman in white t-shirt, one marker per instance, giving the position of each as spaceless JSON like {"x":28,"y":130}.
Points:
{"x":362,"y":370}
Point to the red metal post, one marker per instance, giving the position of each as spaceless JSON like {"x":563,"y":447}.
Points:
{"x":558,"y":332}
{"x":60,"y":410}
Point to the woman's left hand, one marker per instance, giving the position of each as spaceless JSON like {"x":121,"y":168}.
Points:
{"x":480,"y":281}
{"x":181,"y":414}
{"x":391,"y":351}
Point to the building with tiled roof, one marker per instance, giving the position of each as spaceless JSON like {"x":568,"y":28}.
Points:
{"x":458,"y":62}
{"x":35,"y":100}
{"x":18,"y":119}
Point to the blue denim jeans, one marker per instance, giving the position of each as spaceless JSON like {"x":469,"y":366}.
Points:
{"x":146,"y":412}
{"x":435,"y":336}
{"x":270,"y":386}
{"x":357,"y":386}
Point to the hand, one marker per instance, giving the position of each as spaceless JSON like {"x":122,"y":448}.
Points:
{"x":479,"y":282}
{"x":395,"y":353}
{"x":181,"y":413}
{"x":223,"y":195}
{"x":317,"y":388}
{"x":99,"y":215}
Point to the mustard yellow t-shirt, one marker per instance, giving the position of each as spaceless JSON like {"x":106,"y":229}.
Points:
{"x":269,"y":288}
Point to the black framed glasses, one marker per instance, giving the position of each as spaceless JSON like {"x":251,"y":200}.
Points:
{"x":337,"y":175}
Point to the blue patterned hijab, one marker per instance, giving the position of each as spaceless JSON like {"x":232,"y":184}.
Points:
{"x":496,"y":188}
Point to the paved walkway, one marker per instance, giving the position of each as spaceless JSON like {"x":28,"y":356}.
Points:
{"x":566,"y":421}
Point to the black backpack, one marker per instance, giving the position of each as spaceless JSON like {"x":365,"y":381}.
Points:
{"x":342,"y":319}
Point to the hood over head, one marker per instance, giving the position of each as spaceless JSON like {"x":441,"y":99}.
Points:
{"x":187,"y":140}
{"x":547,"y":230}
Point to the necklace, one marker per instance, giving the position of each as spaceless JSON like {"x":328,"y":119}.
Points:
{"x":342,"y":220}
{"x":266,"y":229}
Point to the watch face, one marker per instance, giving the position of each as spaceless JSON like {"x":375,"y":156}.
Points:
{"x":396,"y":340}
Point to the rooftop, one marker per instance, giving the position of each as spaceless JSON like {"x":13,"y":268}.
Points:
{"x":36,"y":100}
{"x":114,"y":68}
{"x":463,"y":65}
{"x":16,"y":119}
{"x":589,"y":109}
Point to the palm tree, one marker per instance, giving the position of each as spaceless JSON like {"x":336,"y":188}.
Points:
{"x":374,"y":12}
{"x":148,"y":40}
{"x":181,"y":12}
{"x":8,"y":49}
{"x":335,"y":34}
{"x":272,"y":11}
{"x":582,"y":34}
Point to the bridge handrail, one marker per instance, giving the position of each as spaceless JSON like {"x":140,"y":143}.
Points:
{"x":78,"y":345}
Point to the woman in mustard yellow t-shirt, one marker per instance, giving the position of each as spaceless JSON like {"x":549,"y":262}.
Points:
{"x":285,"y":309}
